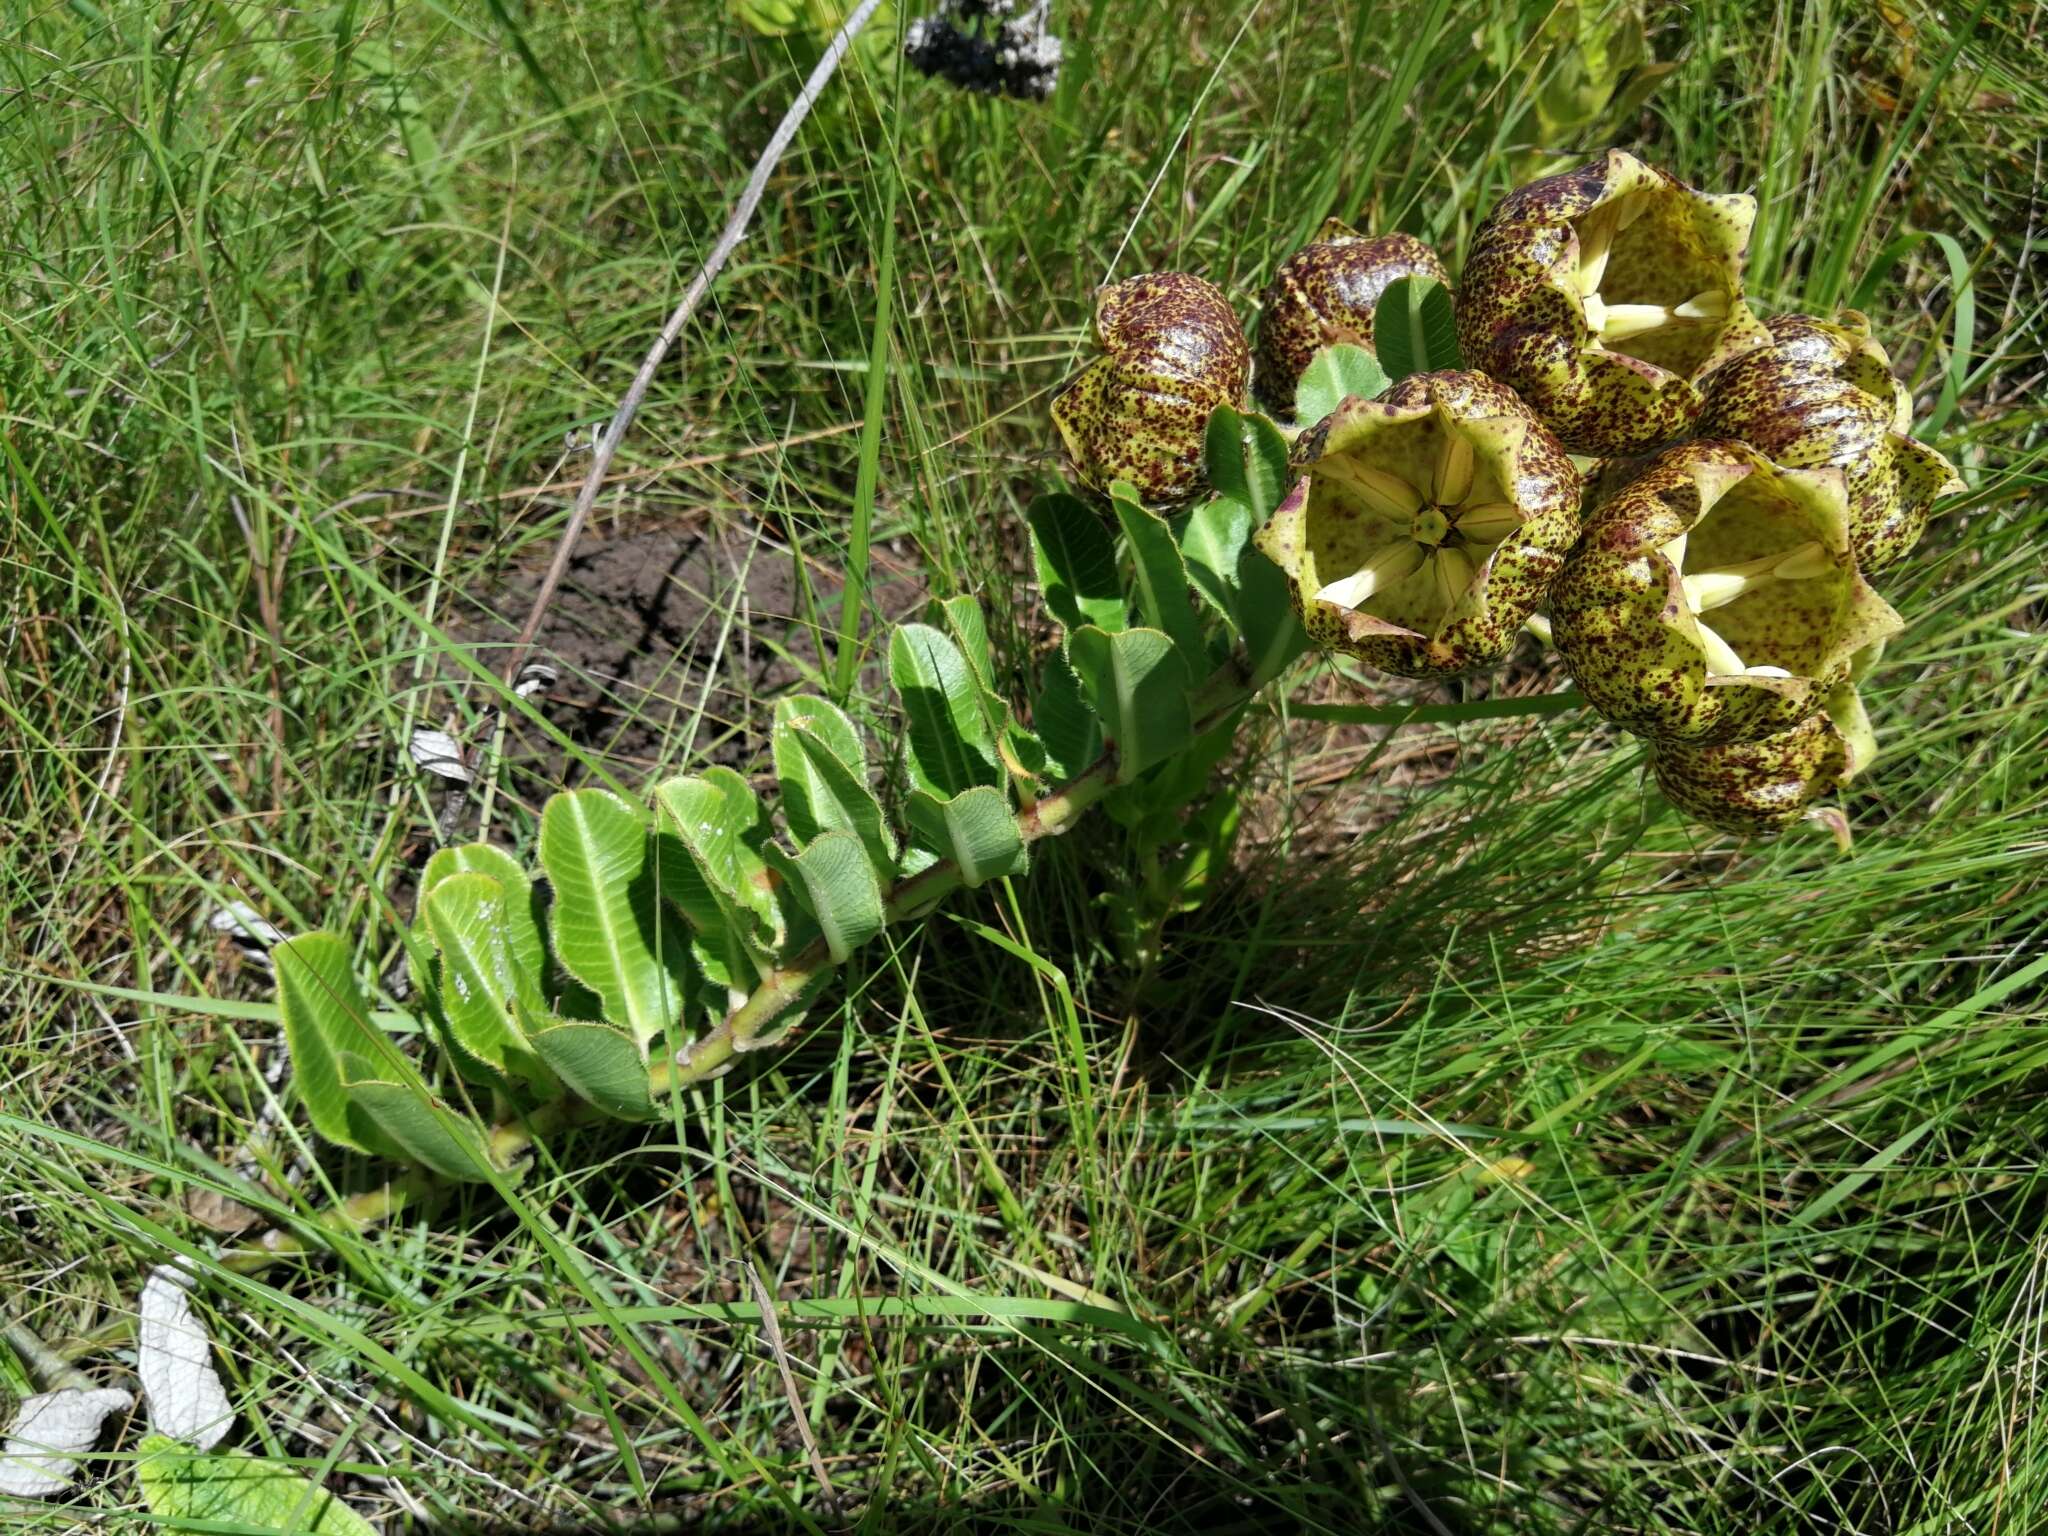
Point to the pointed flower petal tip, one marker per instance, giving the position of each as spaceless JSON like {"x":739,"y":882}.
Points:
{"x":1327,"y":293}
{"x":1821,"y":394}
{"x":1172,"y":352}
{"x":1425,"y":526}
{"x":1714,"y":598}
{"x":1760,"y":788}
{"x":1604,"y":295}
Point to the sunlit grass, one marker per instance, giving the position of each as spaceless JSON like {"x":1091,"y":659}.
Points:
{"x":1494,"y":1151}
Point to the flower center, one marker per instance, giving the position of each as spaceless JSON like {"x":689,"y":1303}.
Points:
{"x":1716,"y":588}
{"x":1435,"y":519}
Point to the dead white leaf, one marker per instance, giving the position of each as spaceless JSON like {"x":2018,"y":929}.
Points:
{"x":239,"y":920}
{"x":174,"y":1358}
{"x":440,"y":754}
{"x":535,"y":678}
{"x":50,"y":1433}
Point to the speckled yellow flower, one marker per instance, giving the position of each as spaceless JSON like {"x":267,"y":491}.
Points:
{"x":1823,"y":394}
{"x":1326,"y":293}
{"x":1604,"y":295}
{"x":1759,"y":788}
{"x":1425,"y":526}
{"x":1715,"y":598}
{"x":1172,"y":352}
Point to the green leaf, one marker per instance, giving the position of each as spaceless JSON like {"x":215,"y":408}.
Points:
{"x":473,"y":859}
{"x":720,"y":932}
{"x":1076,"y":563}
{"x":1066,"y":725}
{"x":1267,"y":470}
{"x":1273,"y":636}
{"x":841,"y":890}
{"x":1332,"y":374}
{"x":717,"y":817}
{"x":600,"y":1065}
{"x":485,"y":974}
{"x":1414,"y":329}
{"x":1223,"y":454}
{"x":1023,"y":753}
{"x":607,"y":920}
{"x":824,"y":777}
{"x":325,"y":1015}
{"x":1212,"y":543}
{"x":977,"y":830}
{"x":521,"y":922}
{"x":424,"y":1129}
{"x":1162,"y":578}
{"x":234,"y":1490}
{"x":1137,"y":684}
{"x":949,"y":743}
{"x":969,"y":628}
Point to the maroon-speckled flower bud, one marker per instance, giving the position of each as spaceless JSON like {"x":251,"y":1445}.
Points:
{"x":1604,"y":295}
{"x":1762,"y":787}
{"x":1325,"y":293}
{"x":1425,"y":526}
{"x":1715,"y":597}
{"x":1823,"y":394}
{"x":1173,"y":352}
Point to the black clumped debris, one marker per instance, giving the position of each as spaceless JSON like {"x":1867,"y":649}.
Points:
{"x":996,"y":47}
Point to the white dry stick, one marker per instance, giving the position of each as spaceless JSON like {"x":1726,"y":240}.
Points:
{"x":49,"y":1435}
{"x":174,"y":1358}
{"x":735,"y":231}
{"x":772,"y":1328}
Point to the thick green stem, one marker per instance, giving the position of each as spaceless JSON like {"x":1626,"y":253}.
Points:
{"x":747,"y":1026}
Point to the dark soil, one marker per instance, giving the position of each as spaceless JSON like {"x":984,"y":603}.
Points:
{"x":644,"y":616}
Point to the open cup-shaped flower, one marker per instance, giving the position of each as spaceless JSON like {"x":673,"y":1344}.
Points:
{"x":1172,"y":352}
{"x":1823,"y":394}
{"x":1424,"y":526}
{"x":1325,"y":293}
{"x":1761,"y":787}
{"x":1604,"y":295}
{"x":1715,"y":598}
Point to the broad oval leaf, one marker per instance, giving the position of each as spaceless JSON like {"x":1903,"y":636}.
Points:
{"x":232,"y":1490}
{"x":841,"y":891}
{"x":609,"y":928}
{"x":1212,"y":543}
{"x":424,"y":1130}
{"x":1066,"y":725}
{"x":1271,"y":631}
{"x":600,"y":1064}
{"x":950,"y":748}
{"x":1162,"y":577}
{"x":1246,"y":456}
{"x":718,"y":818}
{"x":1137,"y":684}
{"x":1415,"y":329}
{"x":472,"y":859}
{"x":976,"y":829}
{"x":1223,"y":453}
{"x":1332,"y":374}
{"x":324,"y":1015}
{"x":488,"y":973}
{"x":824,"y":776}
{"x":1076,"y":562}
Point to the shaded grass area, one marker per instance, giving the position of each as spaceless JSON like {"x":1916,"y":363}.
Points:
{"x":1492,"y":1152}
